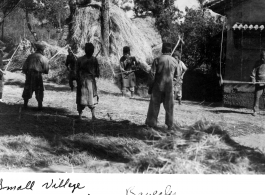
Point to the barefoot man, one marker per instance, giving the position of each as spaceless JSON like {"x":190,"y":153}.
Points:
{"x":258,"y":75}
{"x":86,"y":71}
{"x":161,"y":87}
{"x":35,"y":65}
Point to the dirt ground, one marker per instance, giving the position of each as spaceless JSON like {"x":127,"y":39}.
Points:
{"x":59,"y":103}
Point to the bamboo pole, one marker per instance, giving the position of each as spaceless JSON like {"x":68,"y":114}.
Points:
{"x":58,"y":52}
{"x":240,"y":82}
{"x":12,"y":57}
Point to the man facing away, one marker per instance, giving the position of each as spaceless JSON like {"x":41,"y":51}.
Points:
{"x":128,"y":64}
{"x":258,"y":75}
{"x":178,"y":77}
{"x":161,"y":87}
{"x":71,"y":67}
{"x":35,"y":65}
{"x":87,"y":70}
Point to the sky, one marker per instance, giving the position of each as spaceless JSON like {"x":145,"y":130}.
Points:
{"x":183,"y":3}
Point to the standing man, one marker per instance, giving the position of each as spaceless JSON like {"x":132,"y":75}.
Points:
{"x":178,"y":77}
{"x":70,"y":64}
{"x":258,"y":75}
{"x":161,"y":87}
{"x":35,"y":65}
{"x":86,"y":71}
{"x":128,"y":65}
{"x":1,"y":75}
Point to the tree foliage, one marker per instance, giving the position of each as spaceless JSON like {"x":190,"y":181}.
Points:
{"x":201,"y":31}
{"x":49,"y":13}
{"x":202,"y":34}
{"x":155,"y":6}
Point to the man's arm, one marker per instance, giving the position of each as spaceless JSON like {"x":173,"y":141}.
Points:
{"x":97,"y":71}
{"x":253,"y":73}
{"x":184,"y":69}
{"x":151,"y":76}
{"x":67,"y":62}
{"x":77,"y":70}
{"x":122,"y":65}
{"x":25,"y":66}
{"x":45,"y":63}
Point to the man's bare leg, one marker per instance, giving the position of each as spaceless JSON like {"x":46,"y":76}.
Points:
{"x":26,"y":103}
{"x":93,"y":114}
{"x":80,"y":115}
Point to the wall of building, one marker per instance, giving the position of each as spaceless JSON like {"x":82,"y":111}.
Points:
{"x":243,"y":50}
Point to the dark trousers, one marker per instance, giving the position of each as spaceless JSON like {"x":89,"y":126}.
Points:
{"x":259,"y":90}
{"x":1,"y":88}
{"x":72,"y":78}
{"x":157,"y":98}
{"x":34,"y":83}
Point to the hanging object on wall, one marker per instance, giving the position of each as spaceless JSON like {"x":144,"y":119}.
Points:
{"x":235,"y":26}
{"x":245,"y":27}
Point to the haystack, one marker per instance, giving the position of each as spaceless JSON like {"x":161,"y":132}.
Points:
{"x":57,"y":69}
{"x":123,"y":32}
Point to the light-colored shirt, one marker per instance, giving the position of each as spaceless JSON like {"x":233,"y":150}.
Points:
{"x":36,"y":62}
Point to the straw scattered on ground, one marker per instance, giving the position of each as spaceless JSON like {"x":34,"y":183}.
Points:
{"x":118,"y":141}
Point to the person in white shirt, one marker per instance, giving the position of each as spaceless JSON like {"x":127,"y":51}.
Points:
{"x":178,"y":77}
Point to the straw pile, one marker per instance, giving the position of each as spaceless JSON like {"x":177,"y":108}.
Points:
{"x":57,"y":71}
{"x":203,"y":148}
{"x":87,"y":28}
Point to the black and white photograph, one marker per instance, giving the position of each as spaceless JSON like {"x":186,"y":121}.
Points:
{"x":160,"y":87}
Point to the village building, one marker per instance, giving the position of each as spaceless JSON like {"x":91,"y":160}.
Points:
{"x":245,"y":38}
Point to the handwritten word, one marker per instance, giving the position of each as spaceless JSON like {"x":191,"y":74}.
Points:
{"x":29,"y":186}
{"x":130,"y":191}
{"x":62,"y":184}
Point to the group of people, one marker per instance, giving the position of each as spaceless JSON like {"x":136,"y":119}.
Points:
{"x":165,"y":79}
{"x":84,"y":70}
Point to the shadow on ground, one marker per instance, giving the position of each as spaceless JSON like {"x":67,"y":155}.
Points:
{"x":59,"y":127}
{"x":100,"y":138}
{"x":229,"y":111}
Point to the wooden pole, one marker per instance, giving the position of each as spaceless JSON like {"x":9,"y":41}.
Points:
{"x":240,"y":82}
{"x":12,"y":57}
{"x":106,"y":28}
{"x":3,"y":29}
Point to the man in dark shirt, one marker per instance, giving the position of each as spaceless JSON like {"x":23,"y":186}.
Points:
{"x":71,"y":67}
{"x":258,"y":75}
{"x":128,"y":65}
{"x":35,"y":65}
{"x":86,"y":71}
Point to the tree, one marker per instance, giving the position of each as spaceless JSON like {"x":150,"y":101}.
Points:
{"x":105,"y":25}
{"x":44,"y":10}
{"x":202,"y":40}
{"x":155,"y":6}
{"x":7,"y":7}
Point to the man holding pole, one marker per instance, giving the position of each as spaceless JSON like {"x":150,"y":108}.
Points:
{"x":35,"y":65}
{"x":178,"y":77}
{"x":71,"y":67}
{"x":128,"y":65}
{"x":161,"y":87}
{"x":258,"y":75}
